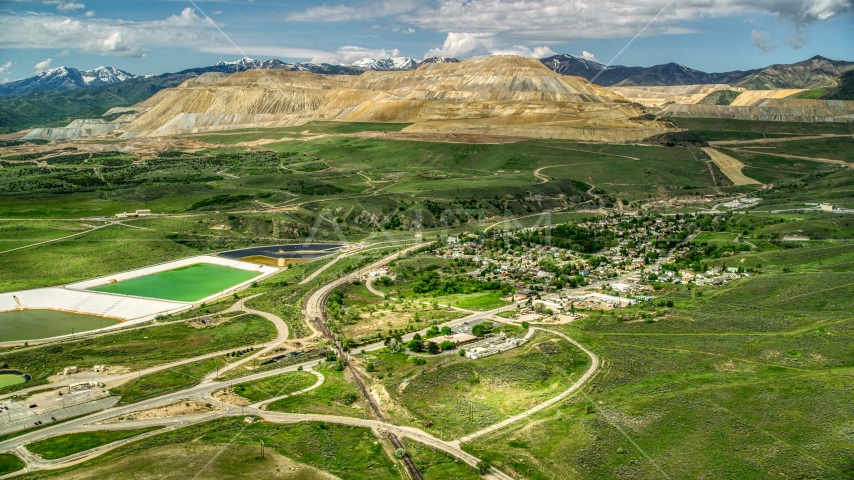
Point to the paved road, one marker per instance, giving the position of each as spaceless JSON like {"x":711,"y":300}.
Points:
{"x":281,"y":328}
{"x":369,"y":284}
{"x":204,"y":390}
{"x":594,"y":367}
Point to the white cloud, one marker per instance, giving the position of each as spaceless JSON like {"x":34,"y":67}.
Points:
{"x":217,"y":12}
{"x":90,"y":14}
{"x":5,"y":67}
{"x":761,"y":40}
{"x":534,"y":20}
{"x":65,"y":5}
{"x":106,"y":37}
{"x":42,"y":66}
{"x":405,"y":31}
{"x":364,"y":11}
{"x":64,"y":53}
{"x":461,"y":45}
{"x":588,"y":55}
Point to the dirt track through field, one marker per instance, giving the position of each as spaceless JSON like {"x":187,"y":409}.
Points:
{"x":722,"y":143}
{"x":786,"y":155}
{"x":730,"y":167}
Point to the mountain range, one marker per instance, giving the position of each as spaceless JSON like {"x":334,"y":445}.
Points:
{"x":66,"y":78}
{"x":816,"y":72}
{"x":57,"y":95}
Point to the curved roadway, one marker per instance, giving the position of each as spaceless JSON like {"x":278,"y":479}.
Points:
{"x":208,"y":385}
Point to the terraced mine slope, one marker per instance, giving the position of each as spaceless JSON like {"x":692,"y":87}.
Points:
{"x":509,"y":96}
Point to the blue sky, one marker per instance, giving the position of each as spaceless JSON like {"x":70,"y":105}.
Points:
{"x":157,"y":36}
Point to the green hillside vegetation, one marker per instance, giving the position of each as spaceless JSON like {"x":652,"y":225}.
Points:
{"x":757,"y":372}
{"x":58,"y":108}
{"x":716,"y":129}
{"x":843,"y":90}
{"x":459,"y":396}
{"x":137,"y":349}
{"x":294,"y":451}
{"x":721,"y":97}
{"x":64,"y":445}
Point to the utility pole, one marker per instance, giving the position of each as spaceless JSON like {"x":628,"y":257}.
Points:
{"x":262,"y":449}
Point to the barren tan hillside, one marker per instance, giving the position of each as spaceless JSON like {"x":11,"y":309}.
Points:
{"x":679,"y":94}
{"x":754,"y":97}
{"x":498,"y":95}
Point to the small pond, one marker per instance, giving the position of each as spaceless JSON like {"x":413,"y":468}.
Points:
{"x":33,"y":324}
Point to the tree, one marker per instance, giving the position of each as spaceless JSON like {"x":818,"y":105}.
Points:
{"x":446,"y":330}
{"x":462,"y":352}
{"x":400,"y":453}
{"x":447,"y":345}
{"x":481,"y":329}
{"x":484,"y":467}
{"x":433,"y":348}
{"x":433,"y":331}
{"x":415,"y":345}
{"x":525,"y":324}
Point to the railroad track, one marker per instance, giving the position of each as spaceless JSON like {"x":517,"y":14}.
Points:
{"x":323,"y":327}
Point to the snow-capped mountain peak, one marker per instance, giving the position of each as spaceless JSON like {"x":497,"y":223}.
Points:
{"x":392,"y":63}
{"x":243,"y":61}
{"x":66,"y":78}
{"x":104,"y":75}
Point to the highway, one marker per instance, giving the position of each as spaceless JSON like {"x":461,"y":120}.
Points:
{"x":314,"y":309}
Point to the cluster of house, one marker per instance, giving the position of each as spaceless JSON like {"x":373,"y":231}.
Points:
{"x":713,"y":276}
{"x":635,"y":245}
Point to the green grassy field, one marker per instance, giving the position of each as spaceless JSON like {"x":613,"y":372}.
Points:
{"x":715,"y":238}
{"x":840,"y":148}
{"x":140,"y":348}
{"x":713,"y":129}
{"x":186,"y":284}
{"x":460,"y":396}
{"x":16,"y":234}
{"x":32,"y":324}
{"x":10,"y":463}
{"x":160,"y":383}
{"x":229,"y":448}
{"x":65,"y":445}
{"x":271,"y":387}
{"x":336,"y":396}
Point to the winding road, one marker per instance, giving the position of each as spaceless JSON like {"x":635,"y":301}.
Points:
{"x":314,"y":309}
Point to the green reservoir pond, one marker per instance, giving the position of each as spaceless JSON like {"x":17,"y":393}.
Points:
{"x":8,"y":379}
{"x":33,"y":324}
{"x":186,"y":284}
